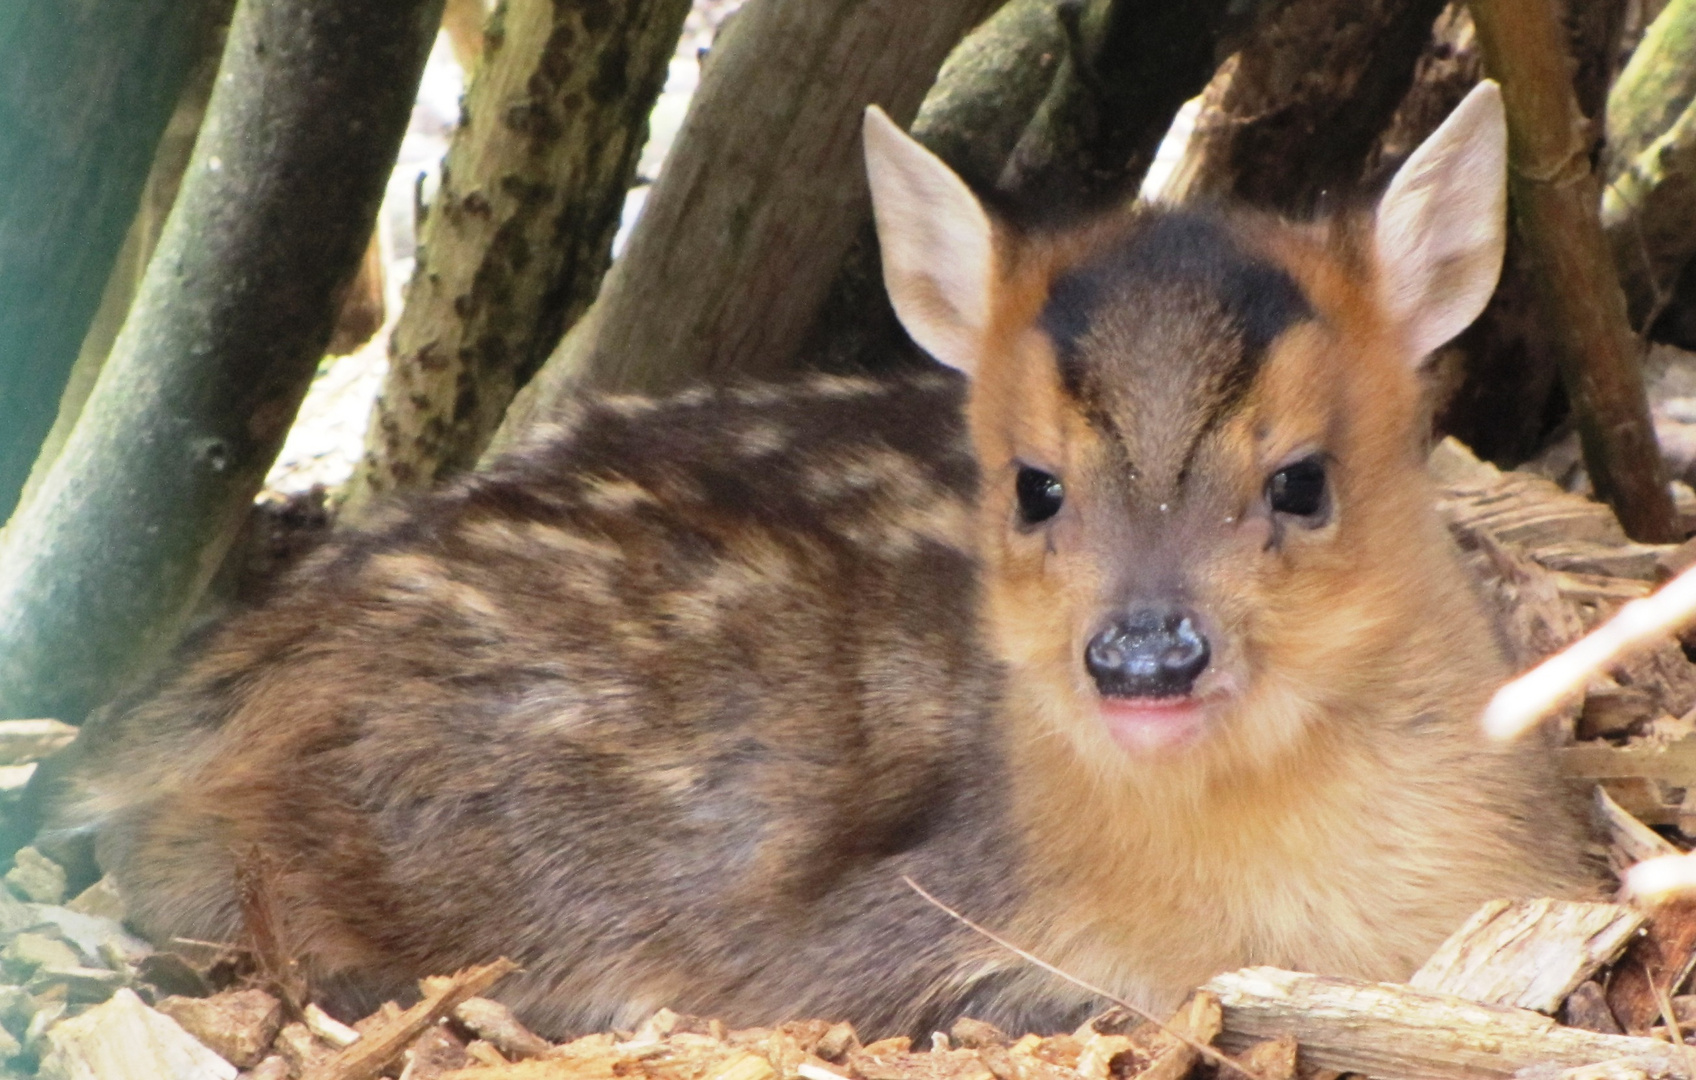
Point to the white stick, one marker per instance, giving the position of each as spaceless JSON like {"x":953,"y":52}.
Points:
{"x":1526,"y":700}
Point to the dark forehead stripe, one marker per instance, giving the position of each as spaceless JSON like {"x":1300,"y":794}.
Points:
{"x":1171,"y":253}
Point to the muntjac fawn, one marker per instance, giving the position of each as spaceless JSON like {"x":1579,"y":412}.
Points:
{"x":1142,"y":644}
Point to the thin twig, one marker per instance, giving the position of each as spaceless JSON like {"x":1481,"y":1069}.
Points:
{"x":1663,"y":1002}
{"x":1199,"y":1047}
{"x":1663,"y":295}
{"x":367,"y":1058}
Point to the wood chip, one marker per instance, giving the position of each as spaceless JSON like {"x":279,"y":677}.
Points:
{"x":123,"y":1039}
{"x":1616,"y":710}
{"x":1610,"y":592}
{"x":1639,"y":562}
{"x":1645,"y":800}
{"x":494,"y":1022}
{"x":1528,"y":954}
{"x":303,"y":1050}
{"x":24,"y":741}
{"x":1099,"y":1054}
{"x":1587,"y":1007}
{"x":484,"y":1053}
{"x":1674,"y":763}
{"x":1272,"y":1059}
{"x":77,"y":985}
{"x":1398,"y":1033}
{"x":839,"y":1040}
{"x":1653,"y":965}
{"x":275,"y":1067}
{"x":1630,"y":841}
{"x":365,"y":1059}
{"x":1620,"y":1069}
{"x":14,"y":778}
{"x":328,"y":1028}
{"x":948,"y":1065}
{"x":238,"y":1025}
{"x":436,"y":1052}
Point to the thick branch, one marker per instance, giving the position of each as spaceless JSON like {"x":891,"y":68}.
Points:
{"x":1649,"y":205}
{"x":1656,"y":85}
{"x":237,"y":304}
{"x":1130,"y":65}
{"x":1398,"y":1033}
{"x":85,"y":92}
{"x":762,"y":194}
{"x":170,"y":163}
{"x":520,"y":234}
{"x":1298,"y":110}
{"x":1555,"y":200}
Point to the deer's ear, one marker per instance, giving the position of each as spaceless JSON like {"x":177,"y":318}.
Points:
{"x":938,"y":248}
{"x":1442,"y":224}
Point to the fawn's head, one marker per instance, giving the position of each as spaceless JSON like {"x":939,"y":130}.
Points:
{"x":1201,"y":435}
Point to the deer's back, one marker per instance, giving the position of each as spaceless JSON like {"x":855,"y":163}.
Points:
{"x":683,"y":687}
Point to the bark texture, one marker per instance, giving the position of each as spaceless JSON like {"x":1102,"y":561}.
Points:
{"x":85,"y":92}
{"x":985,"y":95}
{"x":1295,"y":114}
{"x":1649,"y":204}
{"x":1397,"y":1033}
{"x":170,"y":162}
{"x":761,"y":197}
{"x":520,"y":232}
{"x":1129,"y":66}
{"x":1656,"y":86}
{"x":233,"y":314}
{"x":1555,"y":197}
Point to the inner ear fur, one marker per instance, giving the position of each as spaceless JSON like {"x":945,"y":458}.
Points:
{"x":1442,"y":224}
{"x":937,"y":244}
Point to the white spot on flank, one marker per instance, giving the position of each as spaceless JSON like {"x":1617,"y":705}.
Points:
{"x":863,"y":469}
{"x":627,"y":404}
{"x":761,"y":439}
{"x":616,"y":495}
{"x":760,"y":394}
{"x":841,"y":386}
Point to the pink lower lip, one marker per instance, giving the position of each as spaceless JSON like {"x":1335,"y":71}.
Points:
{"x":1144,"y":725}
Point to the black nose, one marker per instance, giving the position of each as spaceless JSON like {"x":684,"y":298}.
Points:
{"x":1151,"y":653}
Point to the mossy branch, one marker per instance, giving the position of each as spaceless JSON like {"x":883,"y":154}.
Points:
{"x":99,"y":572}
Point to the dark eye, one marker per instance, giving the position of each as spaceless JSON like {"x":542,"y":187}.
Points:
{"x":1298,"y":488}
{"x":1040,"y":495}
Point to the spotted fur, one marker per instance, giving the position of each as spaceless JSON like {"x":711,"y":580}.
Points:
{"x":666,"y":704}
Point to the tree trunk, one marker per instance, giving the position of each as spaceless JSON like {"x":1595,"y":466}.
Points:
{"x":1656,"y":86}
{"x":221,"y":342}
{"x":1298,"y":110}
{"x":1130,"y":65}
{"x":1555,"y":199}
{"x":85,"y":91}
{"x":985,"y":95}
{"x":520,"y":233}
{"x":761,"y":197}
{"x":170,"y":162}
{"x":989,"y":88}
